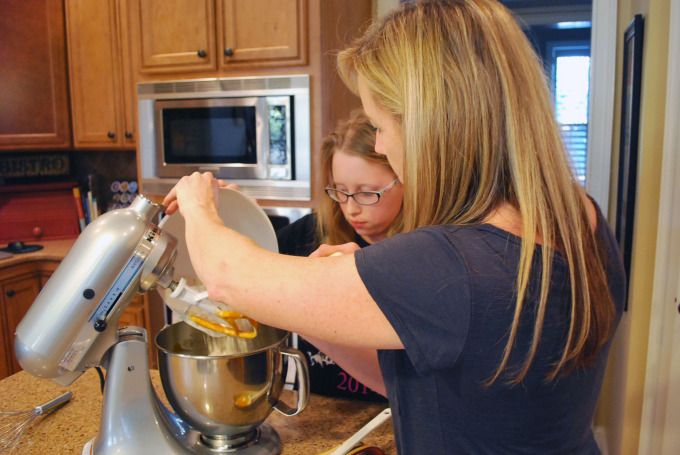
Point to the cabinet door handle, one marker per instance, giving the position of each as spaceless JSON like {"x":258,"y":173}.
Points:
{"x":111,"y":134}
{"x":10,"y":293}
{"x":228,"y":51}
{"x":201,"y":53}
{"x":128,"y":135}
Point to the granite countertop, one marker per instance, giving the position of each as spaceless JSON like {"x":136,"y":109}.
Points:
{"x":53,"y":250}
{"x":324,"y":424}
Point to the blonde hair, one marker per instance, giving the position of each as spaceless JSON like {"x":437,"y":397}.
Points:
{"x":356,"y":137}
{"x":479,"y":129}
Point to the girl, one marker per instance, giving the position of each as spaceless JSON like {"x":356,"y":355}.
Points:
{"x":362,"y":204}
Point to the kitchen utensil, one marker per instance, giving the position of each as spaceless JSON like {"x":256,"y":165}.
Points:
{"x":216,"y":319}
{"x":225,"y":387}
{"x":14,"y":423}
{"x":365,"y":450}
{"x":348,"y":447}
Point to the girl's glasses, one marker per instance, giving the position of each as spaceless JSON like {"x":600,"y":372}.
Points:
{"x":361,"y":197}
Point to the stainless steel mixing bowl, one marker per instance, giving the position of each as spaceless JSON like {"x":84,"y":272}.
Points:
{"x":224,"y":387}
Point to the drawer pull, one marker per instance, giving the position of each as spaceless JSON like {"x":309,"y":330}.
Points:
{"x":10,"y":293}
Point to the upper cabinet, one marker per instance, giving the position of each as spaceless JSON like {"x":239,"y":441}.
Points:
{"x":263,"y":33}
{"x":174,"y":35}
{"x":102,"y":92}
{"x":34,"y":111}
{"x":184,"y":36}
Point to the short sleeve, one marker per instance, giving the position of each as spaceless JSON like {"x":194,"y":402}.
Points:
{"x":420,"y":282}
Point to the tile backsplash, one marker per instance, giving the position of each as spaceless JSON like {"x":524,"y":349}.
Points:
{"x":96,"y":168}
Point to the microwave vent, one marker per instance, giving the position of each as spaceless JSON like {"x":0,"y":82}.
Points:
{"x":224,"y":85}
{"x":280,"y":83}
{"x":230,"y":85}
{"x":254,"y":84}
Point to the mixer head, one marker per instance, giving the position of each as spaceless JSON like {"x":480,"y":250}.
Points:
{"x":74,"y":320}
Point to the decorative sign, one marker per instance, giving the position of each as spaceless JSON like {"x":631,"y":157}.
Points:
{"x":34,"y":165}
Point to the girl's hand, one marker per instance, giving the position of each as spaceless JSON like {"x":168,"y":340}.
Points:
{"x":195,"y":191}
{"x":326,"y":250}
{"x":231,"y":186}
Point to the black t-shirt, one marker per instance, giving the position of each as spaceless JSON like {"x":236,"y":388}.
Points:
{"x":326,"y":378}
{"x":299,"y":238}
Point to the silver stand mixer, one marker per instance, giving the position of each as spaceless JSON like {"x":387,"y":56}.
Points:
{"x":220,"y":389}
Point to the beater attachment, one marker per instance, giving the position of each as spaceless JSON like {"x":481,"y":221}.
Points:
{"x":216,"y":319}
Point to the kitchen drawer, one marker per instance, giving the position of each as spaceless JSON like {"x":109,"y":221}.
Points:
{"x":38,"y":212}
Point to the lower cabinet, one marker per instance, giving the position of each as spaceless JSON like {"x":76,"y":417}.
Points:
{"x":20,"y":285}
{"x":139,"y":313}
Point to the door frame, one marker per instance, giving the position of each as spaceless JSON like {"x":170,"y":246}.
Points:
{"x":601,"y":103}
{"x":660,"y":399}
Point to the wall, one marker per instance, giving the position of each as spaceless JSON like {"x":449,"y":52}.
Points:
{"x":620,"y":409}
{"x":380,"y":7}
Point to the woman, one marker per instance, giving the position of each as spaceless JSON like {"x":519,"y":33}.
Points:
{"x":489,"y":321}
{"x":361,"y":204}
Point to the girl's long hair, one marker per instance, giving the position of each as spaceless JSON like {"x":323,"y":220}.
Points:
{"x":356,"y":137}
{"x":479,"y":129}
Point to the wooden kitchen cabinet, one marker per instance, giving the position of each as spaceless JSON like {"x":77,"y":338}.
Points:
{"x":173,"y":35}
{"x":34,"y":111}
{"x":141,"y":314}
{"x":19,"y":294}
{"x":184,"y":36}
{"x":19,"y":287}
{"x":103,"y":102}
{"x":262,"y":32}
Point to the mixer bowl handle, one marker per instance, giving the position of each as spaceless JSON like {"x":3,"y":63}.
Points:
{"x":302,"y":372}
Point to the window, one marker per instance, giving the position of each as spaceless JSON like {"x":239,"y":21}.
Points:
{"x":565,"y":51}
{"x":570,"y":74}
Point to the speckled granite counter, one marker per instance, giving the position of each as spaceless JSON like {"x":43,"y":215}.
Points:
{"x":53,"y":250}
{"x":326,"y":422}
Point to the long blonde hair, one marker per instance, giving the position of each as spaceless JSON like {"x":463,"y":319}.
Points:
{"x":356,"y":137}
{"x":479,"y":130}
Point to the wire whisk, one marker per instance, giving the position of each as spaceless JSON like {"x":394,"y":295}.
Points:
{"x":14,"y":423}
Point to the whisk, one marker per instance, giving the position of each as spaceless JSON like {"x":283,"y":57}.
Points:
{"x":14,"y":423}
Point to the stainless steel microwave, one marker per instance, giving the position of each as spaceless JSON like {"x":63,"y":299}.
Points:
{"x":253,"y":131}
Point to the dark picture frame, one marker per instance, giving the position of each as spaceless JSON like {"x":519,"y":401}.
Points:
{"x":628,"y":153}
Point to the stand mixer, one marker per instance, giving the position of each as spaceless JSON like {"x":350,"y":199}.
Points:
{"x":221,"y":389}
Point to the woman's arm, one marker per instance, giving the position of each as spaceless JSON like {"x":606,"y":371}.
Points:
{"x":360,"y":363}
{"x":320,"y":298}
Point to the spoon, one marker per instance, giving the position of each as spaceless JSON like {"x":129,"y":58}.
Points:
{"x":346,"y":447}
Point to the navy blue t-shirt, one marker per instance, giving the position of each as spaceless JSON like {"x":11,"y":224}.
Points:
{"x":449,"y":293}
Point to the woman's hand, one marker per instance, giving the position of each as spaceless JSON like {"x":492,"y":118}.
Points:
{"x":192,"y":192}
{"x":326,"y":250}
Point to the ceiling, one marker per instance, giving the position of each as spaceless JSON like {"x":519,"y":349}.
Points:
{"x":548,"y":12}
{"x":543,"y":3}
